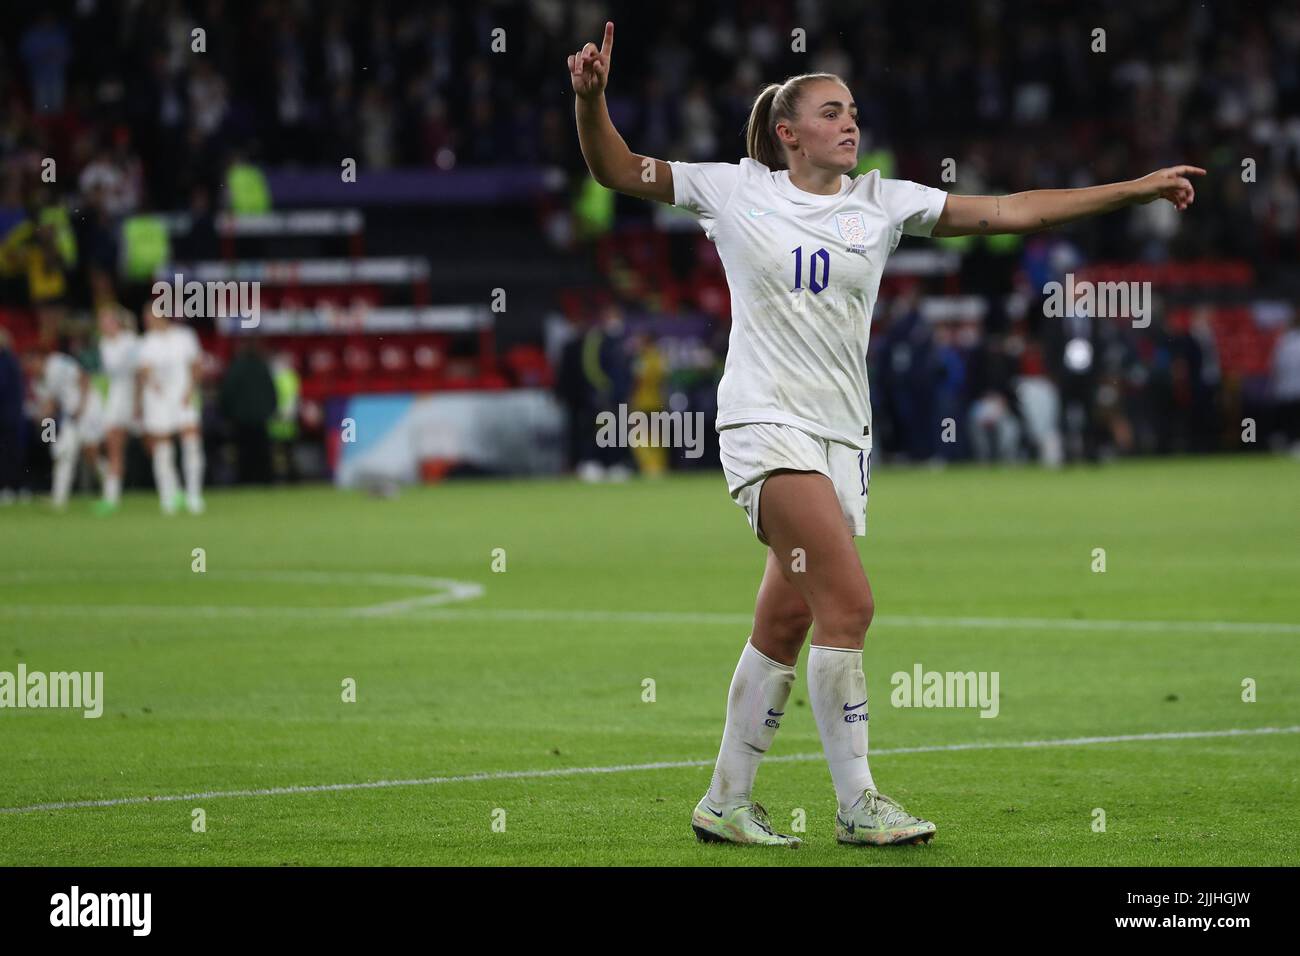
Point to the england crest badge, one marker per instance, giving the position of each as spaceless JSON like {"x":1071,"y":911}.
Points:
{"x":853,"y":230}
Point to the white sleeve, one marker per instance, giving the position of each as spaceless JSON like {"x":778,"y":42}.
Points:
{"x":912,"y":207}
{"x":704,"y":188}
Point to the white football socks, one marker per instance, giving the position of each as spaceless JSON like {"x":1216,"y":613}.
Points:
{"x":164,"y":475}
{"x":65,"y":466}
{"x":838,"y":690}
{"x":192,"y":464}
{"x":755,"y":705}
{"x":112,"y":487}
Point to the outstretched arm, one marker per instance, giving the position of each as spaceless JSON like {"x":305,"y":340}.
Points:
{"x":1043,"y":208}
{"x":611,"y":163}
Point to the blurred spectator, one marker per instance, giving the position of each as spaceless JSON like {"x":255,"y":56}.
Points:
{"x":950,"y":390}
{"x":1286,"y":383}
{"x":994,"y":427}
{"x":13,"y":424}
{"x":648,"y":370}
{"x":46,"y":51}
{"x":43,"y":246}
{"x":112,"y":180}
{"x":1071,"y":351}
{"x":248,"y":401}
{"x":1040,"y":406}
{"x":595,"y":377}
{"x":284,"y":425}
{"x":908,"y":378}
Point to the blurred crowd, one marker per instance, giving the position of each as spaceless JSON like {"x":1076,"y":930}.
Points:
{"x":1019,"y":94}
{"x":112,"y":109}
{"x":1045,"y":390}
{"x":1071,"y":388}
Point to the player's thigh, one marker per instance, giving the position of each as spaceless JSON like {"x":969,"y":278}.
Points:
{"x":803,"y":520}
{"x":157,"y":417}
{"x":186,"y":420}
{"x":781,"y":615}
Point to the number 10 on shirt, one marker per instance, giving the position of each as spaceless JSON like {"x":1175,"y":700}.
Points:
{"x":819,"y":261}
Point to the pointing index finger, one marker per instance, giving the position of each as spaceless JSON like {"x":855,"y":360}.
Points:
{"x":1189,"y":171}
{"x":607,"y":45}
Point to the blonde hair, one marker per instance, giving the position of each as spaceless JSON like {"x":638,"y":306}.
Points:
{"x":778,"y":101}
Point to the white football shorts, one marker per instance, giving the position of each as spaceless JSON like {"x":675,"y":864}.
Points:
{"x":119,"y":406}
{"x":751,"y":452}
{"x":164,"y":415}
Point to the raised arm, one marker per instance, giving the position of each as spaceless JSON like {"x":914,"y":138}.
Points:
{"x":1043,"y":208}
{"x":612,"y":164}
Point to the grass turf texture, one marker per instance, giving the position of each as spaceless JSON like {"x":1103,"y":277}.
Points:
{"x":243,"y":694}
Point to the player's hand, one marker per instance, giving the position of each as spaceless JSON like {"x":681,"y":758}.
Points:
{"x":589,"y":67}
{"x":1170,"y":183}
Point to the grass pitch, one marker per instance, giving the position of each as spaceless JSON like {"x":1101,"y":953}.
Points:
{"x":501,"y":716}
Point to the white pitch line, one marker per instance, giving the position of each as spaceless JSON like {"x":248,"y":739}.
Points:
{"x":429,"y":606}
{"x":421,"y":611}
{"x":438,"y":591}
{"x":882,"y":620}
{"x":629,"y":768}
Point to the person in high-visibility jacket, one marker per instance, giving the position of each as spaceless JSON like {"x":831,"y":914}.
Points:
{"x":648,"y":372}
{"x":42,"y":245}
{"x":283,"y":426}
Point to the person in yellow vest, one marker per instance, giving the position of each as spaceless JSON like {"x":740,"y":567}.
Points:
{"x":44,"y":246}
{"x":283,"y":426}
{"x":648,"y":371}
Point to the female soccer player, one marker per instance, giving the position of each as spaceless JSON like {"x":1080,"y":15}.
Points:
{"x":804,"y":247}
{"x":169,"y":362}
{"x":118,"y":344}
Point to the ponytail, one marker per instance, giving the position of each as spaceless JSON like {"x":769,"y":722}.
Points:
{"x":777,"y":101}
{"x":760,"y":141}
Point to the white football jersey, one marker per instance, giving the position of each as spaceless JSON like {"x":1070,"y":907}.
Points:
{"x":117,"y":357}
{"x":169,"y":356}
{"x":804,"y":271}
{"x":61,"y":383}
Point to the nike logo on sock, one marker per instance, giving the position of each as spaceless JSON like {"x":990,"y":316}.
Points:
{"x":855,"y":706}
{"x":773,"y":713}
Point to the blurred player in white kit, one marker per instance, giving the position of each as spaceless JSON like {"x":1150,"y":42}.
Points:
{"x":119,"y":346}
{"x":169,"y":363}
{"x":64,"y":392}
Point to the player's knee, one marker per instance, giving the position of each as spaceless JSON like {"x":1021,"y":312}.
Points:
{"x":790,"y":624}
{"x":785,"y":625}
{"x":853,"y":615}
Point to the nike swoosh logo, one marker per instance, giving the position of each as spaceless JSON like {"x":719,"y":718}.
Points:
{"x":855,"y":706}
{"x":773,"y":713}
{"x":756,"y":213}
{"x":716,"y":813}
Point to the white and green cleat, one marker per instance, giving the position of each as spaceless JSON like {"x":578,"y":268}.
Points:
{"x":878,"y":820}
{"x":743,"y":824}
